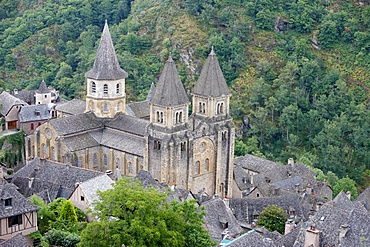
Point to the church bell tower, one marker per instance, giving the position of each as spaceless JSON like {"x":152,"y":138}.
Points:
{"x":106,"y":81}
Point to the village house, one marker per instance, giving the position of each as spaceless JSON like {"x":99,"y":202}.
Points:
{"x":17,"y":214}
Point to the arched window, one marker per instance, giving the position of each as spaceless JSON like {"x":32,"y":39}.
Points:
{"x":118,"y":164}
{"x":130,"y":168}
{"x":93,"y":87}
{"x":95,"y":160}
{"x":43,"y":150}
{"x":159,"y":116}
{"x":197,"y":168}
{"x":29,"y":147}
{"x":79,"y":162}
{"x":204,"y":108}
{"x":32,"y":126}
{"x":39,"y":123}
{"x":200,"y":107}
{"x":117,"y":88}
{"x":180,"y":117}
{"x":206,"y":165}
{"x":33,"y":151}
{"x":105,"y":89}
{"x":118,"y":108}
{"x":105,"y":107}
{"x":52,"y":153}
{"x":105,"y":160}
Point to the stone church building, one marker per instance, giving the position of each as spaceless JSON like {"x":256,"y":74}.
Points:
{"x":194,"y":152}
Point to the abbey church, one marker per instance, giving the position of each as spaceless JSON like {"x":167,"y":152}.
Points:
{"x":195,"y":152}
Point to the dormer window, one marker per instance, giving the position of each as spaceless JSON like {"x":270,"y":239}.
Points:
{"x":105,"y":89}
{"x":8,"y":203}
{"x":93,"y":87}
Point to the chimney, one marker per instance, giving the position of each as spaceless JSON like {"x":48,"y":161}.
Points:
{"x":291,"y":161}
{"x":15,"y":91}
{"x":312,"y":237}
{"x":289,"y":226}
{"x":343,"y":231}
{"x":348,"y":194}
{"x":309,"y":189}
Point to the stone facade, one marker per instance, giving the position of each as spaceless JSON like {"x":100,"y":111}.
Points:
{"x":195,"y":152}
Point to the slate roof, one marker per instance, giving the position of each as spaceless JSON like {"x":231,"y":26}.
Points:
{"x":72,"y":107}
{"x":7,"y":101}
{"x":216,"y":214}
{"x":251,"y":239}
{"x":128,"y":124}
{"x":43,"y":88}
{"x":106,"y":66}
{"x":17,"y":241}
{"x":50,"y":179}
{"x":26,"y":95}
{"x":123,"y":141}
{"x":81,"y":141}
{"x":364,"y":198}
{"x":76,"y":123}
{"x":139,"y":109}
{"x":211,"y":82}
{"x":339,"y":215}
{"x":90,"y":187}
{"x":255,"y":163}
{"x":151,"y":92}
{"x":19,"y":203}
{"x":169,"y":90}
{"x":28,"y":113}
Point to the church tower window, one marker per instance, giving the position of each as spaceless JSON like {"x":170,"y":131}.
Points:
{"x":118,"y":163}
{"x":117,"y":88}
{"x":206,"y":165}
{"x":160,"y":117}
{"x":93,"y":87}
{"x":105,"y":89}
{"x":105,"y":107}
{"x":157,"y":145}
{"x":52,"y":153}
{"x":95,"y":160}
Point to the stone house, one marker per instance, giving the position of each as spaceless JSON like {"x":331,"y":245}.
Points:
{"x":194,"y":152}
{"x":10,"y":107}
{"x":17,"y":214}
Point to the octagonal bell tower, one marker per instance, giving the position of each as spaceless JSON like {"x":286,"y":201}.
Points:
{"x":106,"y":81}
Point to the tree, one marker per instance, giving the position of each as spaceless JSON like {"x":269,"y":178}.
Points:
{"x":68,"y":212}
{"x":273,"y":218}
{"x":345,"y":184}
{"x":131,"y":215}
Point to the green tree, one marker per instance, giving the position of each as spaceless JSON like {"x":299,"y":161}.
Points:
{"x":345,"y":184}
{"x":131,"y":215}
{"x":273,"y":218}
{"x":240,"y":148}
{"x":68,"y":212}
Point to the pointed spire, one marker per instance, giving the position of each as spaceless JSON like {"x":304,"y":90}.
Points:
{"x":169,"y":90}
{"x":43,"y":88}
{"x":106,"y":66}
{"x":151,"y":93}
{"x":211,"y":82}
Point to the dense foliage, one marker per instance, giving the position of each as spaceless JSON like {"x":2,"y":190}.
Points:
{"x":132,"y":215}
{"x":273,"y":218}
{"x":298,"y":70}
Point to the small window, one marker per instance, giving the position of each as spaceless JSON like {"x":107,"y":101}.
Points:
{"x":105,"y":106}
{"x":8,"y":202}
{"x":95,"y":160}
{"x":183,"y":146}
{"x":105,"y":160}
{"x":46,"y":96}
{"x":82,"y":198}
{"x":197,"y":168}
{"x":79,"y":162}
{"x":15,"y":220}
{"x":105,"y":89}
{"x":32,"y":126}
{"x":52,"y":153}
{"x":160,"y":117}
{"x":157,"y":145}
{"x":44,"y":150}
{"x":206,"y":165}
{"x":117,"y":88}
{"x":130,"y":168}
{"x":118,"y":107}
{"x":93,"y":87}
{"x":118,"y":164}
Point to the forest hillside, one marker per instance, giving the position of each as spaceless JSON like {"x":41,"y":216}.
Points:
{"x":298,"y":70}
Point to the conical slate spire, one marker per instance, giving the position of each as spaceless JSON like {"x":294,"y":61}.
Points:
{"x":169,"y":90}
{"x":211,"y":82}
{"x":106,"y":66}
{"x":43,"y":88}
